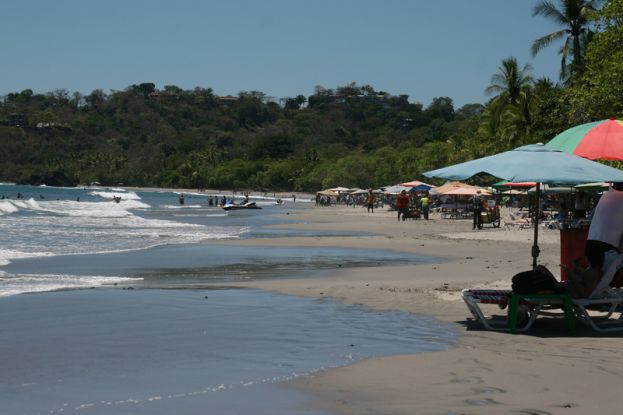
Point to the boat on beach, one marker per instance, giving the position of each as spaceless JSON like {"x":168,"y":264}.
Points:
{"x":248,"y":205}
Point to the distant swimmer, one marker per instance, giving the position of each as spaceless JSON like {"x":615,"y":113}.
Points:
{"x":117,"y":199}
{"x":181,"y":198}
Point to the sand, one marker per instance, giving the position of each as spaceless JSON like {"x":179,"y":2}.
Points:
{"x":544,"y":371}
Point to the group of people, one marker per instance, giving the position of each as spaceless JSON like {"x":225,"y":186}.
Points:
{"x":420,"y":208}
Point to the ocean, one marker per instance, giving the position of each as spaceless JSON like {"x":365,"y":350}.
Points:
{"x":124,"y":307}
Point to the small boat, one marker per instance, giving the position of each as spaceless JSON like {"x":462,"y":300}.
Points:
{"x":248,"y":205}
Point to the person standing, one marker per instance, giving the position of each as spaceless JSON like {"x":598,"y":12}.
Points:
{"x":424,"y":202}
{"x":477,"y":209}
{"x":370,"y":200}
{"x":402,"y":204}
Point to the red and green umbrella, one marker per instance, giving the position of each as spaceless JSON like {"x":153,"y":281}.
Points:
{"x":599,"y":140}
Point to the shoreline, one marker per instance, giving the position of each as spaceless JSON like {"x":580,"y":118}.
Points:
{"x":486,"y":372}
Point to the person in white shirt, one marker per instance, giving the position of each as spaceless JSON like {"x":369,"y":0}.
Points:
{"x":603,"y":245}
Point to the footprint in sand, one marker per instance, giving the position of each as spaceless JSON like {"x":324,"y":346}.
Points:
{"x":467,"y":379}
{"x":488,"y":389}
{"x":481,"y":402}
{"x":531,"y":412}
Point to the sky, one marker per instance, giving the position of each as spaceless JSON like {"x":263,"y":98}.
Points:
{"x":283,"y":48}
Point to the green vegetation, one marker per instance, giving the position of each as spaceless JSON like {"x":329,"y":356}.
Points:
{"x":351,"y":135}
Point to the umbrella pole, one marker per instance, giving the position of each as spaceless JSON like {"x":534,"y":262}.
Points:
{"x":535,"y":247}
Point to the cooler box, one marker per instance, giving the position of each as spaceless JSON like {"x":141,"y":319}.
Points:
{"x":572,"y":245}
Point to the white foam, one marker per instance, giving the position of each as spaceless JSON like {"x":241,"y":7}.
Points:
{"x":182,"y":206}
{"x":122,"y":193}
{"x":6,"y":206}
{"x":13,"y":285}
{"x":6,"y":255}
{"x":90,"y":209}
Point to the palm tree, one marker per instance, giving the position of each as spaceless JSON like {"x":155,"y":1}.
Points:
{"x":574,"y":17}
{"x":510,"y":82}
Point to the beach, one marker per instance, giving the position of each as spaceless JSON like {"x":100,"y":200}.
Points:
{"x":544,"y":371}
{"x":137,"y":309}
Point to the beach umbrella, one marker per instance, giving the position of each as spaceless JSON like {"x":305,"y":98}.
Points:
{"x":599,"y":140}
{"x":417,"y":185}
{"x":533,"y":163}
{"x":446,"y":187}
{"x":328,"y":192}
{"x":394,"y":190}
{"x":467,"y":191}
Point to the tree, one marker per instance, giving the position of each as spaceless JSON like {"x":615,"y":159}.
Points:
{"x":510,"y":82}
{"x":574,"y":17}
{"x":600,"y":91}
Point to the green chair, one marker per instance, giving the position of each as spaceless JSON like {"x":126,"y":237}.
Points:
{"x":540,"y":300}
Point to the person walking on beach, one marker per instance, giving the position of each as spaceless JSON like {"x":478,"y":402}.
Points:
{"x":424,"y":202}
{"x":477,"y":209}
{"x":370,"y":200}
{"x":402,"y":204}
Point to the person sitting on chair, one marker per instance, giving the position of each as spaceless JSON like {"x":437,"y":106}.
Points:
{"x":603,"y":246}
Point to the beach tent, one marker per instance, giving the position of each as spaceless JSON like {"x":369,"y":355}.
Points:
{"x":340,"y":189}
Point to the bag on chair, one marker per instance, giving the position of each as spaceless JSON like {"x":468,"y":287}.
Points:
{"x":535,"y":281}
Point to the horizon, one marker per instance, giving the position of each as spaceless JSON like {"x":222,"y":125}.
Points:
{"x":280,"y":48}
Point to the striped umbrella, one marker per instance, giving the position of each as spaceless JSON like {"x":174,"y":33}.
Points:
{"x":599,"y":140}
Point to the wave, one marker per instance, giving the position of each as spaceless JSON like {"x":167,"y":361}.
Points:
{"x":20,"y":284}
{"x":6,"y":206}
{"x":6,"y":255}
{"x":75,"y":208}
{"x":124,"y":195}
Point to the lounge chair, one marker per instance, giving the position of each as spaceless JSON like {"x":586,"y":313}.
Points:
{"x":602,"y":311}
{"x":521,"y":223}
{"x":603,"y":303}
{"x":474,"y":297}
{"x":534,"y":304}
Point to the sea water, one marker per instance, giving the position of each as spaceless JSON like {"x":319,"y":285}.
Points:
{"x":138,"y":348}
{"x":186,"y":351}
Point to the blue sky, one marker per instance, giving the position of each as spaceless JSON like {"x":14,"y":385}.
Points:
{"x":424,"y":49}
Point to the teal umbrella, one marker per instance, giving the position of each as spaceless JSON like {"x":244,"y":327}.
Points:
{"x":533,"y":163}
